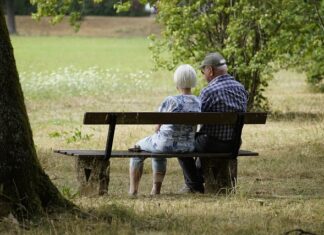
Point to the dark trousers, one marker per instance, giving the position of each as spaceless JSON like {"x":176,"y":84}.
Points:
{"x":192,"y":169}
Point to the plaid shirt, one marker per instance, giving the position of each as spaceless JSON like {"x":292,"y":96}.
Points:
{"x":223,"y":94}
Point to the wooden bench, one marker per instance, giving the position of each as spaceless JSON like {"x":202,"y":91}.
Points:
{"x":221,"y":171}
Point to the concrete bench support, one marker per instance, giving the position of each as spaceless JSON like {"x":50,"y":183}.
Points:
{"x":220,"y":175}
{"x":92,"y":175}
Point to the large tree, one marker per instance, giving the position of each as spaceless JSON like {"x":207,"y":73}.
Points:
{"x":25,"y":189}
{"x":10,"y":12}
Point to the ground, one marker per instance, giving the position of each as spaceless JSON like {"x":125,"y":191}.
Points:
{"x":97,"y":26}
{"x":63,"y":77}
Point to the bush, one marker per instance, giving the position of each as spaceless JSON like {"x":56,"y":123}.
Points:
{"x":315,"y":70}
{"x":256,"y":38}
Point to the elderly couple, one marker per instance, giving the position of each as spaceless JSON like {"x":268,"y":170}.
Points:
{"x":222,"y":94}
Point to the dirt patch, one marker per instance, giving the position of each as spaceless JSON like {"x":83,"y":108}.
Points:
{"x":91,"y":26}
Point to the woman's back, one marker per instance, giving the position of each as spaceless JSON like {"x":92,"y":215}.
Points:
{"x":177,"y":138}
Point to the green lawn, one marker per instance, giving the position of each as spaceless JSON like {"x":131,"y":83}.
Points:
{"x":37,"y":54}
{"x":62,"y":77}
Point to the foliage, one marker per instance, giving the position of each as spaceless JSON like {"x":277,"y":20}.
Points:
{"x":314,"y":63}
{"x":58,"y":9}
{"x":253,"y":36}
{"x":106,"y":7}
{"x":72,"y":136}
{"x":314,"y":68}
{"x":87,"y":7}
{"x":68,"y":193}
{"x":76,"y":9}
{"x":302,"y":40}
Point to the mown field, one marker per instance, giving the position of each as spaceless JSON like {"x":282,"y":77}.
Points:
{"x":62,"y":77}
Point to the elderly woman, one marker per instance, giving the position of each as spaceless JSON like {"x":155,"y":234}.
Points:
{"x":168,"y":138}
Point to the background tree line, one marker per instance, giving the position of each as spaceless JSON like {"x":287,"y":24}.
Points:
{"x":74,"y":8}
{"x":88,"y":7}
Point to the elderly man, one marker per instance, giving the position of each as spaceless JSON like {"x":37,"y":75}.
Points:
{"x":222,"y":94}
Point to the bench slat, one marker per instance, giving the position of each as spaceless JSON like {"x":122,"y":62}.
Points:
{"x":128,"y":118}
{"x":127,"y":154}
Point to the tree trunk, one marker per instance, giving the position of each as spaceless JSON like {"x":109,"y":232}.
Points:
{"x":10,"y":10}
{"x":25,"y":189}
{"x":136,"y":8}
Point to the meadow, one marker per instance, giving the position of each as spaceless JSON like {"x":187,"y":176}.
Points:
{"x":63,"y":77}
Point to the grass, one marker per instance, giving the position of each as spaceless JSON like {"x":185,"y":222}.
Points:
{"x":39,"y":54}
{"x":62,"y":77}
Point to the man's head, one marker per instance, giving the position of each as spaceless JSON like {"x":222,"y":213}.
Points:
{"x":213,"y":65}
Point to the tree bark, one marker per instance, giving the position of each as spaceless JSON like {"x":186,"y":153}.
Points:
{"x":10,"y":10}
{"x":25,"y":189}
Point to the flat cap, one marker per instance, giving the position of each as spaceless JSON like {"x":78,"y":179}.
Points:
{"x":213,"y":59}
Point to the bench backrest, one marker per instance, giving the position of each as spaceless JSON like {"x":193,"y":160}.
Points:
{"x":133,"y":118}
{"x":143,"y":118}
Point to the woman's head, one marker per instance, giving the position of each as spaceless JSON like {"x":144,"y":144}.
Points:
{"x":185,"y":76}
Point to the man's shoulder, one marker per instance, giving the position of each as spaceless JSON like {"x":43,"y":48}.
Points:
{"x":222,"y":87}
{"x":214,"y":86}
{"x":229,"y":82}
{"x":224,"y":82}
{"x":208,"y":90}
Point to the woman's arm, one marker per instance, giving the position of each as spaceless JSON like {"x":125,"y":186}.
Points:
{"x":157,"y":128}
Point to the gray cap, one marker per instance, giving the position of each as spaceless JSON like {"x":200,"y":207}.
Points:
{"x":213,"y":59}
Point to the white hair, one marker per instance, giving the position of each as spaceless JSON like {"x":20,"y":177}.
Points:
{"x":185,"y":76}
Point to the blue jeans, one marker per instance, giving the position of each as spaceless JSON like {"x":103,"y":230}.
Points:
{"x":158,"y":164}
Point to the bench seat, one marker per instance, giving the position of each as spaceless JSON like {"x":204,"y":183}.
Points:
{"x":128,"y":154}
